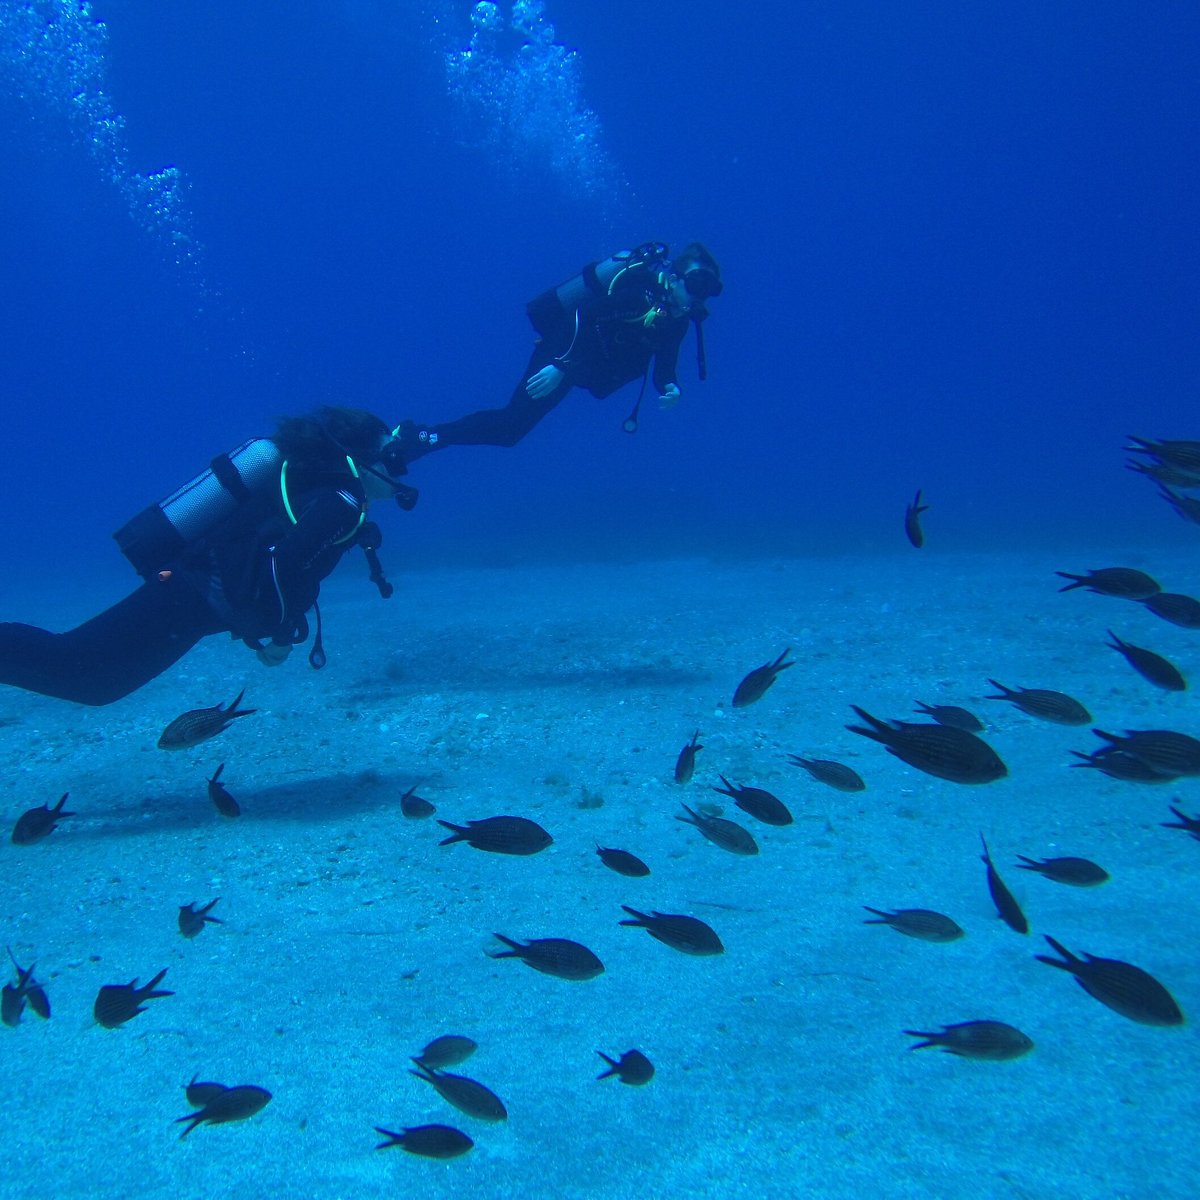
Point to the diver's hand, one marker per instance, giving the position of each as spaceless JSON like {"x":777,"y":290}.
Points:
{"x":670,"y":396}
{"x":540,"y":384}
{"x":273,"y":654}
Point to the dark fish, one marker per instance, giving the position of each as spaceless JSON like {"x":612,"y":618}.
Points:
{"x":117,"y":1003}
{"x":1078,"y":872}
{"x":939,"y":750}
{"x":756,"y":683}
{"x":912,"y":521}
{"x":229,"y":1104}
{"x":976,"y":1039}
{"x":1180,"y":610}
{"x":729,"y":835}
{"x":1126,"y":989}
{"x":39,"y":822}
{"x":192,"y":919}
{"x":1185,"y":455}
{"x":1187,"y":824}
{"x":467,"y":1095}
{"x":685,"y":764}
{"x":429,"y":1141}
{"x":952,"y":715}
{"x":553,"y":956}
{"x":834,"y":774}
{"x":1164,"y":473}
{"x":499,"y":835}
{"x":199,"y":1093}
{"x":223,"y":802}
{"x":1150,"y":666}
{"x":920,"y":923}
{"x":1162,"y":750}
{"x":633,"y":1067}
{"x":1045,"y":704}
{"x":1116,"y":764}
{"x":29,"y":989}
{"x":14,"y":995}
{"x":446,"y":1051}
{"x":623,"y":862}
{"x":682,"y":933}
{"x":414,"y":806}
{"x":763,"y":805}
{"x":1123,"y":582}
{"x":1005,"y":902}
{"x":199,"y":724}
{"x":1188,"y":507}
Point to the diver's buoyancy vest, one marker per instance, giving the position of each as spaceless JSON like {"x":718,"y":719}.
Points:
{"x":158,"y":534}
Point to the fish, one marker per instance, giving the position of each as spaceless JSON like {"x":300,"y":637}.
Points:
{"x":623,"y":862}
{"x":446,"y":1051}
{"x":499,"y":835}
{"x":1162,"y":750}
{"x":685,"y":934}
{"x":757,"y":802}
{"x":912,"y":521}
{"x":26,"y":990}
{"x":1150,"y":666}
{"x":1126,"y":583}
{"x":921,"y":923}
{"x":755,"y":685}
{"x":199,"y":724}
{"x":559,"y":957}
{"x":1185,"y":455}
{"x":729,"y":835}
{"x":1175,"y":607}
{"x":1187,"y":824}
{"x":952,"y":715}
{"x":218,"y":793}
{"x":467,"y":1095}
{"x":230,"y":1104}
{"x":1045,"y":704}
{"x":685,"y":764}
{"x":938,"y":750}
{"x":834,"y":774}
{"x":1187,"y":507}
{"x":633,"y":1068}
{"x":1164,"y":473}
{"x":200,"y":1093}
{"x":428,"y":1141}
{"x":192,"y":919}
{"x":1006,"y":903}
{"x":40,"y":822}
{"x":415,"y":807}
{"x":117,"y":1003}
{"x":1124,"y":988}
{"x":1116,"y":764}
{"x":992,"y":1040}
{"x":1077,"y":872}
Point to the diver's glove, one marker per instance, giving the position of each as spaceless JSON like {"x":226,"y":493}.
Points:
{"x":670,"y":396}
{"x":541,"y":383}
{"x":272,"y":654}
{"x":414,"y":441}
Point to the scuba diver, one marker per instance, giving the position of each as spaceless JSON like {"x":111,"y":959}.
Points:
{"x":598,"y":331}
{"x":240,"y":549}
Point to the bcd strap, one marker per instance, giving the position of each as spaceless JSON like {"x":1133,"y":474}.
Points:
{"x":229,"y":478}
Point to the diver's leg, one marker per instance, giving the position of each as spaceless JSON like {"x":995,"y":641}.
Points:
{"x":114,"y":653}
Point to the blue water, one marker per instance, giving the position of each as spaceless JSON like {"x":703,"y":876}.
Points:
{"x":959,"y":247}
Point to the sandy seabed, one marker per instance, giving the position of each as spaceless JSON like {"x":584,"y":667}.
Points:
{"x":563,"y":694}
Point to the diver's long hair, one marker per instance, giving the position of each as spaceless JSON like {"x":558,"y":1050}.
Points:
{"x":320,"y":440}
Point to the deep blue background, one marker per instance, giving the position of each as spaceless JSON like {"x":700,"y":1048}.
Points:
{"x":959,"y":241}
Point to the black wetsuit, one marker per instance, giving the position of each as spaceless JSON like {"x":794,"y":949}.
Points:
{"x":255,"y":577}
{"x":607,"y":343}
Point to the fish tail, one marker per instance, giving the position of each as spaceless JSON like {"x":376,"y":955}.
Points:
{"x":1066,"y":963}
{"x":1108,"y":737}
{"x":516,"y":950}
{"x":779,"y":664}
{"x":232,"y":708}
{"x":459,"y":833}
{"x":880,"y":918}
{"x":393,"y":1139}
{"x":58,"y":807}
{"x":930,"y":1038}
{"x":875,"y":728}
{"x":1076,"y":581}
{"x":1005,"y":692}
{"x":612,"y":1065}
{"x":642,"y":918}
{"x":217,"y":773}
{"x":193,"y":1120}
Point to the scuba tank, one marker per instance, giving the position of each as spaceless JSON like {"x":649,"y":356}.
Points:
{"x":555,"y":309}
{"x":159,"y":533}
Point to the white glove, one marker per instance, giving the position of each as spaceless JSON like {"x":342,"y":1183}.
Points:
{"x":540,"y":384}
{"x":273,"y":655}
{"x":670,"y":396}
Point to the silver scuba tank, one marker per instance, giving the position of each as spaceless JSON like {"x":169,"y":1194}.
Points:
{"x":159,"y":533}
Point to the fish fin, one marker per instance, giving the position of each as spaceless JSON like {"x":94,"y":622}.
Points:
{"x":459,"y":833}
{"x":393,"y":1139}
{"x":641,"y":920}
{"x":1068,"y":962}
{"x":880,"y":918}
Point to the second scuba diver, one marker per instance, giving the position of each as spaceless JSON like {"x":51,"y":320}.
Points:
{"x":242,"y":549}
{"x":598,"y":331}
